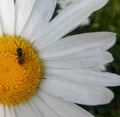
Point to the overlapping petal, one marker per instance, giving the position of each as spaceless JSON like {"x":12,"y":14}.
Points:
{"x":84,"y":76}
{"x":39,"y":18}
{"x":7,"y":16}
{"x":77,"y":92}
{"x":77,"y":43}
{"x":23,"y":9}
{"x":63,"y":108}
{"x":68,"y":20}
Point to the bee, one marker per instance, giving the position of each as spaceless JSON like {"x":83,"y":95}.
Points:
{"x":20,"y":55}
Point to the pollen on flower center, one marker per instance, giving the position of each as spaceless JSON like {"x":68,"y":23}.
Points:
{"x":20,"y":70}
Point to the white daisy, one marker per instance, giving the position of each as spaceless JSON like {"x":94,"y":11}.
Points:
{"x":64,"y":3}
{"x":44,"y":74}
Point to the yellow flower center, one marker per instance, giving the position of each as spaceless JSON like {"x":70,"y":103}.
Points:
{"x":20,"y":70}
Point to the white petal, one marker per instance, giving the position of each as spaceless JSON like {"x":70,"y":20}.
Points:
{"x":7,"y":16}
{"x":9,"y":112}
{"x":85,"y":76}
{"x":36,"y":111}
{"x":77,"y":92}
{"x":43,"y":107}
{"x":23,"y":10}
{"x":39,"y":18}
{"x":1,"y":32}
{"x":79,"y":62}
{"x":12,"y":110}
{"x":68,"y":20}
{"x":2,"y":111}
{"x":24,"y":110}
{"x":64,"y":109}
{"x":100,"y":68}
{"x":78,"y":43}
{"x":80,"y":54}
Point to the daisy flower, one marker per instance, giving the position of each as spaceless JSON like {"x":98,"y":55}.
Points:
{"x":64,"y":3}
{"x":42,"y":72}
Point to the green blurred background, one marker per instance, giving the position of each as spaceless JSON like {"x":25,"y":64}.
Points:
{"x":107,"y":19}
